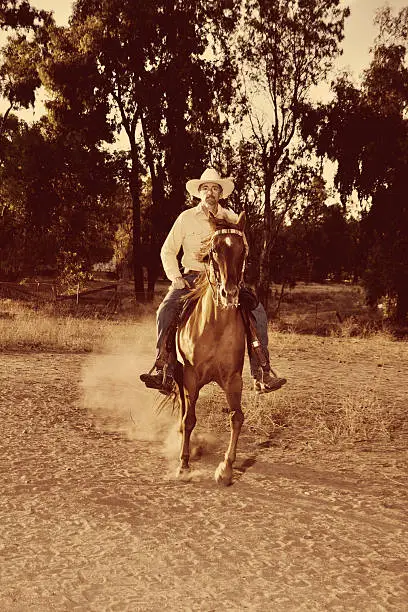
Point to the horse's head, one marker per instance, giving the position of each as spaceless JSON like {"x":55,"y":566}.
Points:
{"x":227,"y":257}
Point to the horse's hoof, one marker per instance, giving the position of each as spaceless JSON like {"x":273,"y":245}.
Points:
{"x":183,"y":473}
{"x":223,"y":474}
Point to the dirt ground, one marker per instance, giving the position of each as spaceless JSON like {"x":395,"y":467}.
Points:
{"x":92,"y":518}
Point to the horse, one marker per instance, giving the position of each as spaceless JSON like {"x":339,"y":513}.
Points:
{"x":210,"y":342}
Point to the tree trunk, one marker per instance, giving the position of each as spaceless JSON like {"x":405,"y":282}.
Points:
{"x":152,"y":274}
{"x":137,"y":254}
{"x":150,"y":255}
{"x":264,"y":262}
{"x":152,"y":259}
{"x":4,"y":119}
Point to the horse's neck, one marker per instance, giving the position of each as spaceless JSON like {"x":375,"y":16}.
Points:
{"x":209,"y":306}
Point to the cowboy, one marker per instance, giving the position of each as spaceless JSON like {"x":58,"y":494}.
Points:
{"x":189,"y":230}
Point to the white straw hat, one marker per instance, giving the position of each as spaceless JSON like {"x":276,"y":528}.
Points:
{"x":210,"y":176}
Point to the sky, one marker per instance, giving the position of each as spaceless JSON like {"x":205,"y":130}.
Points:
{"x":359,"y":37}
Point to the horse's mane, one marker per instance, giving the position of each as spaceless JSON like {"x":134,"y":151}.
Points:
{"x":202,"y":281}
{"x":216,"y":224}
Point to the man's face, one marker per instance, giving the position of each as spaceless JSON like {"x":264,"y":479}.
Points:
{"x":210,"y":194}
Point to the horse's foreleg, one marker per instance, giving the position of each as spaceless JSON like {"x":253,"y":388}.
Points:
{"x":187,"y":425}
{"x":188,"y":422}
{"x":223,"y":473}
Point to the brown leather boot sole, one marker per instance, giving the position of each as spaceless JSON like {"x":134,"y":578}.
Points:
{"x":273,"y":385}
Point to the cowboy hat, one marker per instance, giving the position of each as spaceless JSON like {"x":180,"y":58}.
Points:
{"x":210,"y":176}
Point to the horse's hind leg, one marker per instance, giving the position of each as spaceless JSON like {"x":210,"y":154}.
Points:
{"x":233,"y":390}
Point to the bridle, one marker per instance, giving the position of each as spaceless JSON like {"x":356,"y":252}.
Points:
{"x":216,"y":287}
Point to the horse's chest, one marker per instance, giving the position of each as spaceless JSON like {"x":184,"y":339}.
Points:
{"x":211,"y":344}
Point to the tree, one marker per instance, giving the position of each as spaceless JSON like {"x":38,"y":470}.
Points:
{"x":143,"y":65}
{"x":57,"y":198}
{"x":286,"y":47}
{"x":139,"y":68}
{"x":18,"y":76}
{"x":19,"y":14}
{"x":366,"y":131}
{"x":18,"y":73}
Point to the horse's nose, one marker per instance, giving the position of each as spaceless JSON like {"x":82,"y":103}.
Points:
{"x":229,"y":293}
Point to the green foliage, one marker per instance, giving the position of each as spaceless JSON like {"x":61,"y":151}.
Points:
{"x":18,"y":14}
{"x":148,"y":63}
{"x":366,"y":131}
{"x":72,"y":272}
{"x":19,"y":76}
{"x":318,"y":244}
{"x":55,"y":197}
{"x":18,"y":72}
{"x":12,"y":233}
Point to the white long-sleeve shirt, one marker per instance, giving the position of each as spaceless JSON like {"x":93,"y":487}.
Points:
{"x":189,"y":230}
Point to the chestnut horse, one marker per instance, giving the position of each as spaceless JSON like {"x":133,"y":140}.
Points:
{"x":211,"y":341}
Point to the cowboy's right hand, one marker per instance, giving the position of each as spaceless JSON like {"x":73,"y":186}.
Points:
{"x":180,"y":283}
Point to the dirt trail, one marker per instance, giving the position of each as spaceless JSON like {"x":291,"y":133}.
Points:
{"x":91,"y":520}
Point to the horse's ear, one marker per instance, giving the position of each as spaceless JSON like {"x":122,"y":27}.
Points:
{"x":241,"y":221}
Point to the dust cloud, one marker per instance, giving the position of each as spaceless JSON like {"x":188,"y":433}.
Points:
{"x":117,"y":401}
{"x":116,"y":398}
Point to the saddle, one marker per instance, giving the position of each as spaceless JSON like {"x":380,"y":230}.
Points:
{"x":247,"y":302}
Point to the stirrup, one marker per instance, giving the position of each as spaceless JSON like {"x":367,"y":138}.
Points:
{"x":163,"y":369}
{"x":152,"y":368}
{"x":168,"y":383}
{"x":164,"y":374}
{"x":260,"y":386}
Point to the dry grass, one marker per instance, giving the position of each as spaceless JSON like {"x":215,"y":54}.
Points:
{"x":358,"y":416}
{"x":22,"y":328}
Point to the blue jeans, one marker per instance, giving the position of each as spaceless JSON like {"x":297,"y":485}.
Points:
{"x":171,"y":307}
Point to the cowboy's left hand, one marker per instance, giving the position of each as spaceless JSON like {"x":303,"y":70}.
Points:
{"x":180,"y":283}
